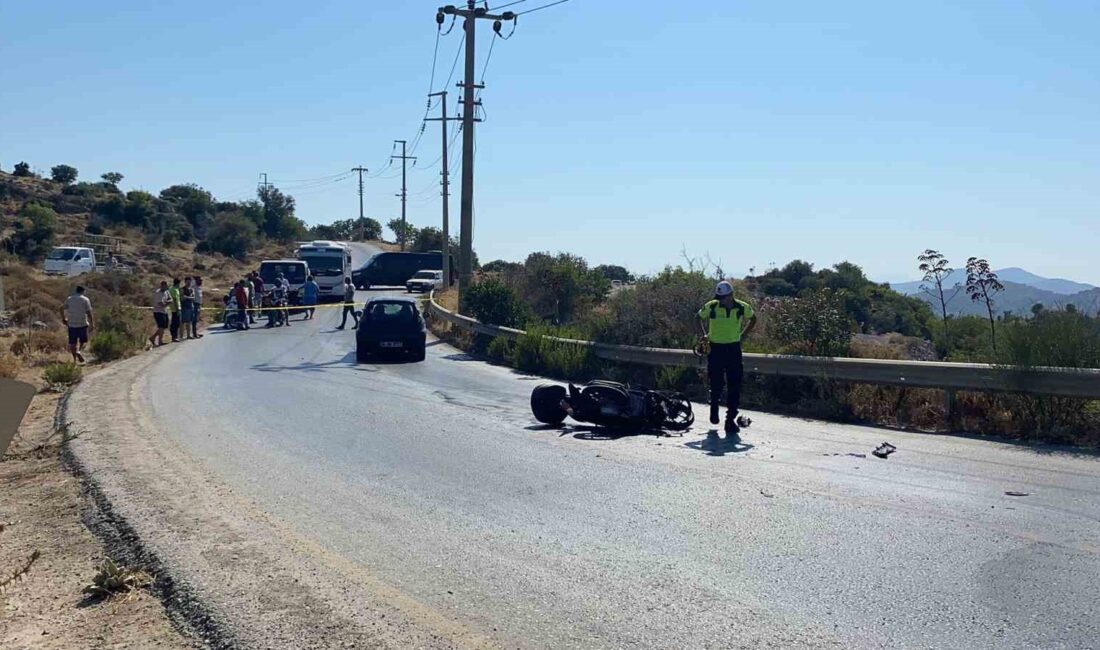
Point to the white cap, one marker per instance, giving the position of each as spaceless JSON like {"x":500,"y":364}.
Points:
{"x":723,"y":289}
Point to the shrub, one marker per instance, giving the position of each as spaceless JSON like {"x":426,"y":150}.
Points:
{"x":109,"y":345}
{"x":815,"y":323}
{"x":10,"y":365}
{"x":35,"y":231}
{"x":535,"y":352}
{"x":22,"y":169}
{"x":501,"y":350}
{"x":491,"y":301}
{"x":39,"y":342}
{"x":232,"y":235}
{"x":63,"y":374}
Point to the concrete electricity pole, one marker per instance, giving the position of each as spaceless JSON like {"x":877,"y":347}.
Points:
{"x":470,"y":14}
{"x":446,"y":187}
{"x":362,"y":224}
{"x":264,"y":184}
{"x":404,"y":190}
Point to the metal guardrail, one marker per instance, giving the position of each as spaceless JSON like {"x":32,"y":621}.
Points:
{"x":979,"y":377}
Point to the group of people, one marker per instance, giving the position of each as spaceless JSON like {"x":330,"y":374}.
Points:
{"x":177,"y":309}
{"x":251,"y":296}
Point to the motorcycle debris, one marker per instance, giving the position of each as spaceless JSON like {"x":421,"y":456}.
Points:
{"x":884,"y":450}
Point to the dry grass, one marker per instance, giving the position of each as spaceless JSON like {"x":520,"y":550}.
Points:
{"x":10,"y":365}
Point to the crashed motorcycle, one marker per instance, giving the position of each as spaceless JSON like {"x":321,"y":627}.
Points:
{"x":612,"y":405}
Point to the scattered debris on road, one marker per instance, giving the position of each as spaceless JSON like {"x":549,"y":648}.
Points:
{"x":744,"y":422}
{"x":767,"y":494}
{"x":1012,"y":493}
{"x":884,"y":450}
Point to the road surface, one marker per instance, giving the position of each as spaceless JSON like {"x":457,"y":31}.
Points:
{"x":433,"y":479}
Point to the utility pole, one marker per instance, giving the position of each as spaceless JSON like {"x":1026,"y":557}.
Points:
{"x":446,"y":188}
{"x":362,"y":224}
{"x":264,"y":184}
{"x":466,"y":227}
{"x":404,"y":190}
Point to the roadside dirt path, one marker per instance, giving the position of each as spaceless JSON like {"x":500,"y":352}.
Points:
{"x":43,"y":508}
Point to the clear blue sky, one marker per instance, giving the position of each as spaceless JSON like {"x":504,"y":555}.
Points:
{"x":757,"y":132}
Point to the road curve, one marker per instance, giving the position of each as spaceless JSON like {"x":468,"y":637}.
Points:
{"x":431,"y":481}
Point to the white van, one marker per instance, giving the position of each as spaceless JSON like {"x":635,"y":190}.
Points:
{"x":70,"y":261}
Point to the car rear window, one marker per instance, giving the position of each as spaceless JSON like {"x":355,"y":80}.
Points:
{"x":391,"y":312}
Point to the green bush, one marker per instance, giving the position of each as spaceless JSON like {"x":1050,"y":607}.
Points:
{"x":501,"y":350}
{"x":35,"y":231}
{"x":62,"y":373}
{"x":232,"y":235}
{"x":120,"y":332}
{"x":814,"y":323}
{"x":109,"y":345}
{"x":491,"y":301}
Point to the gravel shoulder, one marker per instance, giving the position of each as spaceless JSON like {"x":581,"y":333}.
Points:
{"x":44,"y":508}
{"x":231,"y":573}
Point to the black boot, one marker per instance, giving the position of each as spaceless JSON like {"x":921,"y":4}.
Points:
{"x":731,"y":425}
{"x":714,"y":413}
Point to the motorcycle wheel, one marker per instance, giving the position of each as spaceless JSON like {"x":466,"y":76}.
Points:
{"x":546,"y":403}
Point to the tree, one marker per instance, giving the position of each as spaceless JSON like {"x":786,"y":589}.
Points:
{"x":366,"y":229}
{"x":114,"y":178}
{"x":936,"y":270}
{"x":404,"y":232}
{"x":502,"y":267}
{"x":63,"y":174}
{"x":615,"y":272}
{"x":35,"y":231}
{"x":492,"y":301}
{"x":814,"y":323}
{"x":140,"y":209}
{"x":195,"y":204}
{"x":981,"y":285}
{"x":22,"y":169}
{"x":233,"y":235}
{"x":557,"y":287}
{"x":278,"y":220}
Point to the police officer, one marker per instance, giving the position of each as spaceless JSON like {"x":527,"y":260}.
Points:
{"x":724,"y":321}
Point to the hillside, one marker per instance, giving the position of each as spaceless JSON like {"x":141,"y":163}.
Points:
{"x":66,"y":214}
{"x":1023,"y":290}
{"x":1015,"y":275}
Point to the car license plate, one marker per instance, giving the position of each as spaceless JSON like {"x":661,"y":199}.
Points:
{"x":390,"y":344}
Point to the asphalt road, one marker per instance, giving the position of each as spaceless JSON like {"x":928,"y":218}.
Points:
{"x":434,"y":478}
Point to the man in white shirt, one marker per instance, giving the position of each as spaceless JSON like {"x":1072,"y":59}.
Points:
{"x":76,"y":313}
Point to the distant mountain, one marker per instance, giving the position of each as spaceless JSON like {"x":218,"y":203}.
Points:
{"x":1054,"y":285}
{"x":1057,"y":286}
{"x":1018,"y":299}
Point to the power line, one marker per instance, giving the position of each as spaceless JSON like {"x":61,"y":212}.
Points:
{"x":305,"y":180}
{"x":531,"y":11}
{"x":507,"y":5}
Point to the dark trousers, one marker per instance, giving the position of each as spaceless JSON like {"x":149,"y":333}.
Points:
{"x":725,"y":366}
{"x":174,"y":326}
{"x":242,"y":316}
{"x":349,"y":309}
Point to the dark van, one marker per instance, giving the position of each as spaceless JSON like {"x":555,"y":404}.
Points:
{"x":394,"y":269}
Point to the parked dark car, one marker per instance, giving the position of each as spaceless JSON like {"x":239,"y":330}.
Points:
{"x":395,"y":269}
{"x":391,"y":325}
